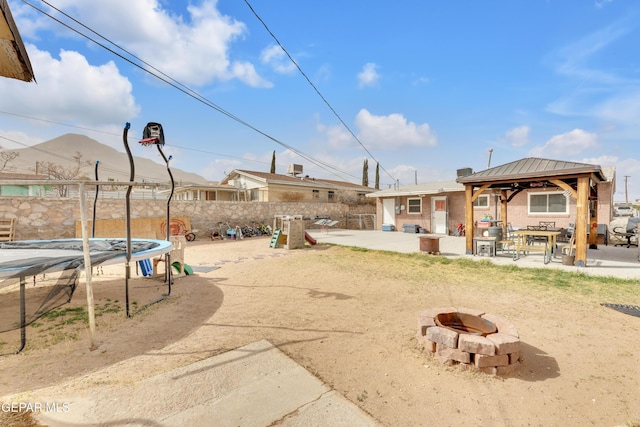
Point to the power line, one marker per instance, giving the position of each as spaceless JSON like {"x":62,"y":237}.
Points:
{"x":314,"y":87}
{"x":181,"y":87}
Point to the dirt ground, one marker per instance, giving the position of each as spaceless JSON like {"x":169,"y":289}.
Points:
{"x":349,"y":317}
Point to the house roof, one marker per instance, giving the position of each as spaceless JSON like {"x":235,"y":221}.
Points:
{"x":22,"y":176}
{"x":421,"y":189}
{"x":14,"y":61}
{"x":304,"y":181}
{"x":533,"y":168}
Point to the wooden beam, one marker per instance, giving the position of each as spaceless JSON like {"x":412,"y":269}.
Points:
{"x":503,"y":213}
{"x":582,"y":213}
{"x":573,"y":193}
{"x":468,"y":214}
{"x":478,"y":192}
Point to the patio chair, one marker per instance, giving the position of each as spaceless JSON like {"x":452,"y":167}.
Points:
{"x":532,"y":239}
{"x":508,"y":243}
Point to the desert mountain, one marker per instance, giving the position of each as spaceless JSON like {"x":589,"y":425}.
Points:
{"x":113,"y":164}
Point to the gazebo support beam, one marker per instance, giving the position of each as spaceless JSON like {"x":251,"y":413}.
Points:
{"x":582,"y":213}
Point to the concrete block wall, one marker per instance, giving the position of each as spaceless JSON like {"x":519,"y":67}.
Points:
{"x":55,"y":218}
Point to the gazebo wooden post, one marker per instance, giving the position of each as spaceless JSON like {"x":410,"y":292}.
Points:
{"x":593,"y":224}
{"x":468,"y":219}
{"x":582,"y":212}
{"x":503,"y":213}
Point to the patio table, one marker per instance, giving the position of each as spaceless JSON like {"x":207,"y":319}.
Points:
{"x":523,"y":237}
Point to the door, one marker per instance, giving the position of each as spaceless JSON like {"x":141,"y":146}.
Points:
{"x":389,"y":211}
{"x":439,"y":215}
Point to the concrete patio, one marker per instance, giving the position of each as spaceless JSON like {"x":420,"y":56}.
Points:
{"x":615,"y":261}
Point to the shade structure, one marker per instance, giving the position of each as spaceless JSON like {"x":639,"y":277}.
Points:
{"x":14,"y":61}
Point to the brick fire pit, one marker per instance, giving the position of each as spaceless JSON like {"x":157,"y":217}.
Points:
{"x":470,"y":337}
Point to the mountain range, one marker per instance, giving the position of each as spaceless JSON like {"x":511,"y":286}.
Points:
{"x":113,"y":164}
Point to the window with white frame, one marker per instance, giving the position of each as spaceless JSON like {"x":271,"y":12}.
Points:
{"x":414,"y":206}
{"x":481,"y":202}
{"x":550,"y":202}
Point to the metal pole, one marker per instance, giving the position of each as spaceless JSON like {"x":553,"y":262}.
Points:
{"x":95,"y":202}
{"x":132,"y":174}
{"x":168,"y":255}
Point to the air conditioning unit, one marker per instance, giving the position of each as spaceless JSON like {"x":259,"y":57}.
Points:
{"x":464,"y":172}
{"x":294,"y":169}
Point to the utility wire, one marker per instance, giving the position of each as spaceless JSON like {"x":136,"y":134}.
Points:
{"x":315,"y":88}
{"x":181,"y":87}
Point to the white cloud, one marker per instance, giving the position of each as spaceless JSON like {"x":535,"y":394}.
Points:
{"x":519,"y":136}
{"x":368,"y":76}
{"x":566,"y":145}
{"x":68,"y":88}
{"x":193,"y":49}
{"x":602,"y":3}
{"x":392,"y":131}
{"x":275,"y":57}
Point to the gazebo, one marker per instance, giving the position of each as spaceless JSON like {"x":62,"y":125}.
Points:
{"x":577,"y":180}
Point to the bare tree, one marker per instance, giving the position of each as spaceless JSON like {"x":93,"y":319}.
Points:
{"x":61,"y":173}
{"x":7,"y":157}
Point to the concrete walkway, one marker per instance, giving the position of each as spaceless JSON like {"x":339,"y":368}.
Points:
{"x":615,"y":261}
{"x":255,"y":385}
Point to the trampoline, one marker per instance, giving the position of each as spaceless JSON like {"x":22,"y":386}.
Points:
{"x":27,"y":258}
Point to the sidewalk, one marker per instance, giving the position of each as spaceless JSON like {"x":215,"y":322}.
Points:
{"x":615,"y":261}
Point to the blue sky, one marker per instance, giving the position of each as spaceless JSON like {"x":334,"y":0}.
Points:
{"x":426,"y":87}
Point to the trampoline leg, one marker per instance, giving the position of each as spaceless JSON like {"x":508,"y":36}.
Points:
{"x":23,"y":316}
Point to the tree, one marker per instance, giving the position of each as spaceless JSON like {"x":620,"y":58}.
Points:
{"x":365,"y":173}
{"x":273,"y":162}
{"x":377,"y":175}
{"x":59,"y":172}
{"x":6,"y":157}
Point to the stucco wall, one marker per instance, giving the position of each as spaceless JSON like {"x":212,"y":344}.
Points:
{"x":48,"y":218}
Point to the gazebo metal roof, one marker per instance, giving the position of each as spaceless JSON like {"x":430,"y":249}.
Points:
{"x":532,"y":169}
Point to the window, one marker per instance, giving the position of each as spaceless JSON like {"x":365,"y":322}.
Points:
{"x":316,"y":194}
{"x":255,"y":194}
{"x":331,"y":195}
{"x":481,"y":202}
{"x":414,"y":206}
{"x":548,"y":203}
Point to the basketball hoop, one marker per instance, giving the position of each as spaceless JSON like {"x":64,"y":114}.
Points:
{"x":152,"y":135}
{"x":149,"y":141}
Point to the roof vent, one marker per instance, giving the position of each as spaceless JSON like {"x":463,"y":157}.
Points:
{"x":294,"y":169}
{"x":464,"y":172}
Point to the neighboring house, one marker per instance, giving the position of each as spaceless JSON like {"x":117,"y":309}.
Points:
{"x":22,"y":189}
{"x":213,"y":192}
{"x":274,"y":187}
{"x":439,"y":207}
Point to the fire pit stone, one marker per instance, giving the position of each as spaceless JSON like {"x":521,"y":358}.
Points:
{"x":470,"y":337}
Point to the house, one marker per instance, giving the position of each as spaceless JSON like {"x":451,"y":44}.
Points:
{"x":295,"y":187}
{"x":8,"y":189}
{"x":211,"y":192}
{"x":439,"y":207}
